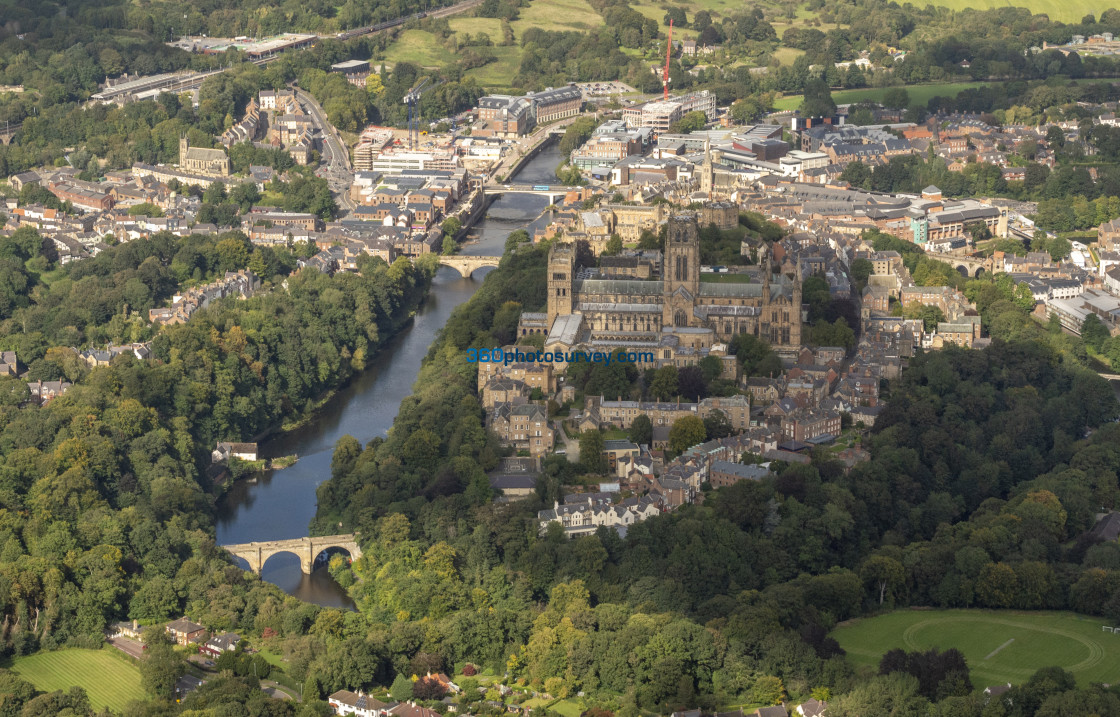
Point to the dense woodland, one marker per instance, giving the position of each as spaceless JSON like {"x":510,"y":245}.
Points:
{"x":106,"y":511}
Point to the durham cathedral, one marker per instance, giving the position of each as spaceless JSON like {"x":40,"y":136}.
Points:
{"x":619,"y":305}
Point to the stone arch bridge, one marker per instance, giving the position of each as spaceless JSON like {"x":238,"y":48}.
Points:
{"x":969,"y":266}
{"x":306,"y":549}
{"x":8,"y":132}
{"x":466,"y":265}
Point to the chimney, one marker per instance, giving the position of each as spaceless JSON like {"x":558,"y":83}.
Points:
{"x":135,"y":624}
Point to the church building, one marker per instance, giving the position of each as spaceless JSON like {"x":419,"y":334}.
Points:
{"x":207,"y":162}
{"x":678,"y":308}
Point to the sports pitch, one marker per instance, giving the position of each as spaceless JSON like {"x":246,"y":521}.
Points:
{"x":109,"y":680}
{"x":999,"y":646}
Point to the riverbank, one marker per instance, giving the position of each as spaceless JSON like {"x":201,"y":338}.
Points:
{"x":310,"y":413}
{"x":364,"y":408}
{"x":327,"y":397}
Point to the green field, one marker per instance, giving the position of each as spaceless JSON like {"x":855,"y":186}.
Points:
{"x":418,"y":47}
{"x":109,"y":680}
{"x":1069,"y":11}
{"x":492,"y":26}
{"x":919,"y":94}
{"x":556,"y":15}
{"x":1000,"y":646}
{"x":500,"y":73}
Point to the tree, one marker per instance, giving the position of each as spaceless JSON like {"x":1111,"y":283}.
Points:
{"x":451,"y":226}
{"x":401,"y":689}
{"x":717,"y":425}
{"x":687,"y":431}
{"x":1094,"y":332}
{"x":677,"y":15}
{"x":861,"y":270}
{"x":591,"y":452}
{"x":817,"y":100}
{"x":664,"y":384}
{"x":162,"y":667}
{"x":748,"y":109}
{"x":641,"y":430}
{"x":614,"y":246}
{"x":768,"y":690}
{"x":691,"y":122}
{"x":883,"y":576}
{"x":997,"y":585}
{"x":896,"y":98}
{"x":939,"y":674}
{"x":755,"y":356}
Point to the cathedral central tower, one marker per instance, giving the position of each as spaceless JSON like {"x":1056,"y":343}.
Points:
{"x":680,"y":270}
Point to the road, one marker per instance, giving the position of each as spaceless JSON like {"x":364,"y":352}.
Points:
{"x":274,"y":689}
{"x":526,"y":144}
{"x":335,"y":157}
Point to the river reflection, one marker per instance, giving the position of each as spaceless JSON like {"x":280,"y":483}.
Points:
{"x":282,"y":505}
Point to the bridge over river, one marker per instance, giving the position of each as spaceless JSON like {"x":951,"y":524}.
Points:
{"x":466,"y":265}
{"x":306,"y":549}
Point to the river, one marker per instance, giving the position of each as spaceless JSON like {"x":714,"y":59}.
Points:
{"x":281,"y":505}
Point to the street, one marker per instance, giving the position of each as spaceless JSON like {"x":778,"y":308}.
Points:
{"x":335,"y":158}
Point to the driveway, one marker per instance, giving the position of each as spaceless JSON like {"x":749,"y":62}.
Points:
{"x":571,"y":446}
{"x":130,"y":647}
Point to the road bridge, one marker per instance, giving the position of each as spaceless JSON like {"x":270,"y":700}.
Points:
{"x":553,"y":193}
{"x":466,"y":265}
{"x":306,"y":549}
{"x":969,"y":266}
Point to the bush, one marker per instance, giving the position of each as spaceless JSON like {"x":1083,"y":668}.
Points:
{"x":470,"y":670}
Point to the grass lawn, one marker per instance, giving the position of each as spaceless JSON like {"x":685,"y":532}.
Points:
{"x":418,"y":47}
{"x":786,"y":55}
{"x":999,"y":645}
{"x":498,"y":74}
{"x":492,"y":26}
{"x":109,"y":681}
{"x":567,"y":708}
{"x":556,"y":15}
{"x":271,"y":199}
{"x":1058,"y":10}
{"x":919,"y":94}
{"x":271,"y":658}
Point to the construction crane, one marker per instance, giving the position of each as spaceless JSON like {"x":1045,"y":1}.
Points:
{"x":412,"y":99}
{"x":668,"y":53}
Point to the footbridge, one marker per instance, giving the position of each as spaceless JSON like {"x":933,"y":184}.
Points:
{"x":554,"y":194}
{"x":969,"y":266}
{"x":306,"y":549}
{"x":466,"y":265}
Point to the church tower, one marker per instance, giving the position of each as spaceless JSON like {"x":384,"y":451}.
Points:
{"x":561,"y":279}
{"x":183,"y":147}
{"x":680,"y":270}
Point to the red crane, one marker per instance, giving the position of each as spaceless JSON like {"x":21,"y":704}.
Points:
{"x":668,"y":52}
